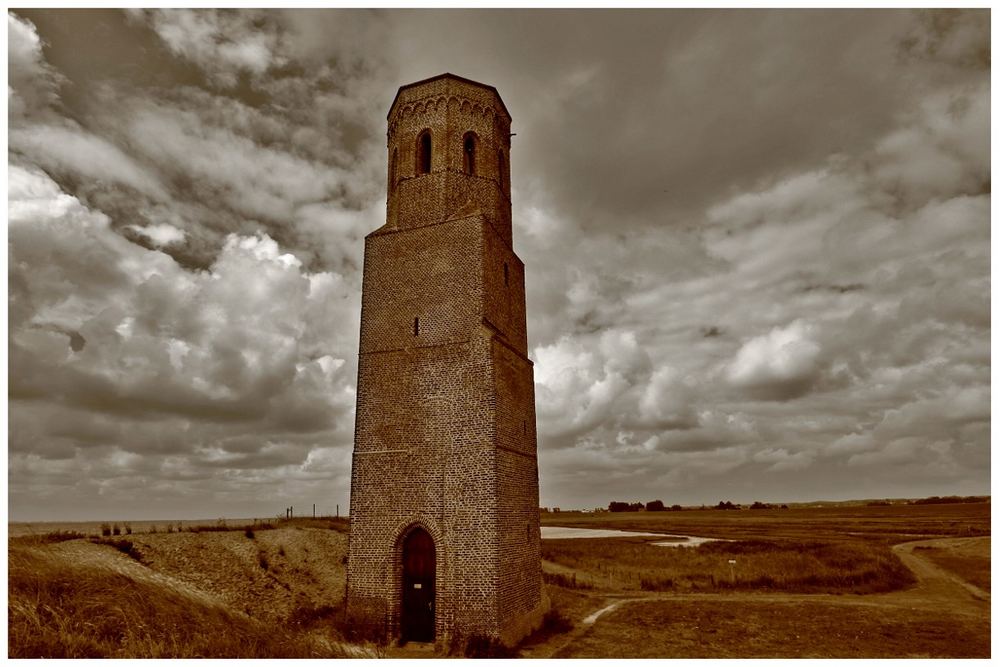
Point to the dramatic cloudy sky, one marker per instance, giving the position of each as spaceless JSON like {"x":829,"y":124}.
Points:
{"x":757,"y":249}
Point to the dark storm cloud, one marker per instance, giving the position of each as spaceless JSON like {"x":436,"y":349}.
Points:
{"x":756,"y":246}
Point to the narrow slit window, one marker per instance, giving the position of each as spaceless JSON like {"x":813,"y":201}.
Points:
{"x":506,"y":274}
{"x":469,"y":153}
{"x":502,"y":167}
{"x":392,"y":170}
{"x":416,"y":326}
{"x":424,"y":153}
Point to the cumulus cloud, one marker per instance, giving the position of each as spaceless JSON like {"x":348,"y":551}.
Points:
{"x":577,"y":386}
{"x":251,"y":341}
{"x":161,"y":235}
{"x":781,"y":364}
{"x":225,"y":43}
{"x":32,"y":85}
{"x":70,"y":149}
{"x":793,"y":288}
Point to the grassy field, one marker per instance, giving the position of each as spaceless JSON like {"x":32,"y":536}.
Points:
{"x":804,"y":567}
{"x":971,"y":562}
{"x":774,"y":602}
{"x":758,"y":629}
{"x":821,"y":582}
{"x":891,"y":525}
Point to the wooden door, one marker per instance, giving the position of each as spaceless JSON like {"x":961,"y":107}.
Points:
{"x":418,"y":587}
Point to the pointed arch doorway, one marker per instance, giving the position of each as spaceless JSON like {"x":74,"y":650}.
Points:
{"x":419,"y":566}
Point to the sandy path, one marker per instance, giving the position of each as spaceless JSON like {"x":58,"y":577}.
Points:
{"x":935,"y":588}
{"x":938,"y":586}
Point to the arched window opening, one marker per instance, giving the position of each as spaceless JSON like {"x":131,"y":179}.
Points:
{"x":469,"y":142}
{"x":392,"y":170}
{"x":506,"y":274}
{"x":424,"y":153}
{"x":416,"y":326}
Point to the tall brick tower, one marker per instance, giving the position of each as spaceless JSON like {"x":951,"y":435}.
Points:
{"x":444,"y":484}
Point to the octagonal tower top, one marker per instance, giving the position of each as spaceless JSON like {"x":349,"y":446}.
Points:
{"x":447,"y":84}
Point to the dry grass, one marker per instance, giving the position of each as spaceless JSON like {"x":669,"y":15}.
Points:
{"x":189,"y":594}
{"x":971,"y":562}
{"x":892,"y":524}
{"x":97,"y":528}
{"x":801,"y":567}
{"x":688,"y":628}
{"x":58,"y":609}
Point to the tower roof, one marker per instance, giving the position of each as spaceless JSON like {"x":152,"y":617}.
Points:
{"x":454,"y":77}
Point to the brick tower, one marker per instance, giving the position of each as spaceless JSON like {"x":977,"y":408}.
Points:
{"x":444,"y":483}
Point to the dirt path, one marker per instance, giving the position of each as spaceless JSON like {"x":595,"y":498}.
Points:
{"x":938,"y":586}
{"x":935,"y":589}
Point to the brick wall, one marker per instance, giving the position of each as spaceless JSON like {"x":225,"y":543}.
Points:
{"x":445,"y":428}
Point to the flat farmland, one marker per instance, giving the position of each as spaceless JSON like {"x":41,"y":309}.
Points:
{"x":841,"y":582}
{"x":905,"y":581}
{"x":892,"y":524}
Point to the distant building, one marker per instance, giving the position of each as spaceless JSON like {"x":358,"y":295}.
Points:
{"x":444,"y":539}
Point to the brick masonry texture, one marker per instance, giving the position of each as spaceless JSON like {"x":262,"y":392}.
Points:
{"x":445,"y":430}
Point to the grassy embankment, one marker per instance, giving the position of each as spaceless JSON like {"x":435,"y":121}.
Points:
{"x":132,"y":597}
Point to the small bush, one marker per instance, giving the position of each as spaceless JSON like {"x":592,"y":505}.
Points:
{"x":106,"y":530}
{"x":128,"y":529}
{"x":308,"y":616}
{"x":566,"y":581}
{"x":656,"y":583}
{"x":262,"y":560}
{"x":249,"y":533}
{"x":478,"y":646}
{"x":281,"y":550}
{"x":116,"y":530}
{"x":553,"y":623}
{"x":125,"y":546}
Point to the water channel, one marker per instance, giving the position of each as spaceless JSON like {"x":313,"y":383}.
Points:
{"x":560,"y":533}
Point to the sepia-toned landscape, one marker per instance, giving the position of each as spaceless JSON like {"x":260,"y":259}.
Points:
{"x":449,"y":277}
{"x":844,"y":581}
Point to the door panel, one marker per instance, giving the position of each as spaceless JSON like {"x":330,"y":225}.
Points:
{"x":418,"y":587}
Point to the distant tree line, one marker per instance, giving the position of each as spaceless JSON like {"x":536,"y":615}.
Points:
{"x":660,"y":506}
{"x":946,"y":500}
{"x":757,"y":505}
{"x":651,"y":506}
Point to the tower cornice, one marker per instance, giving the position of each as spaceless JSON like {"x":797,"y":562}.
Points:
{"x":452,"y":77}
